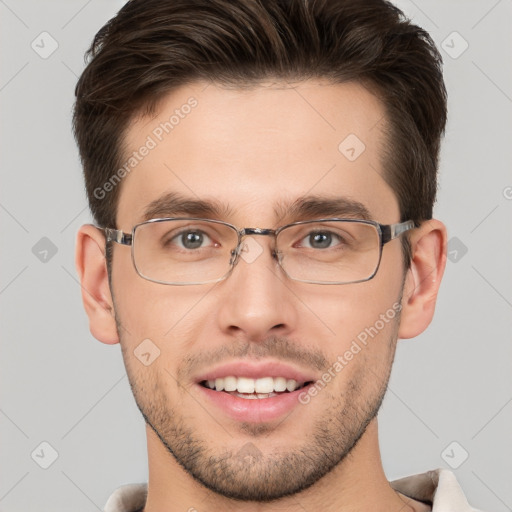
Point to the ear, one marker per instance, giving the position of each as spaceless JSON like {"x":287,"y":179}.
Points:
{"x":91,"y":266}
{"x":428,"y":244}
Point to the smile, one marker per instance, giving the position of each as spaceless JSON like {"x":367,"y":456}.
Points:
{"x":248,"y":388}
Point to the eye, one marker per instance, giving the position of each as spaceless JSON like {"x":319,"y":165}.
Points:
{"x":321,"y":240}
{"x":190,"y":239}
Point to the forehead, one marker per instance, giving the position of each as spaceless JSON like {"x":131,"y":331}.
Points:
{"x":253,"y":151}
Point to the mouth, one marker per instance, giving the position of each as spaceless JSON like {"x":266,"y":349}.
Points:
{"x":254,"y":389}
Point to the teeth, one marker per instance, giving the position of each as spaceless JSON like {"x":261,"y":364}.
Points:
{"x":279,"y":384}
{"x":291,"y":384}
{"x":253,"y":396}
{"x":230,"y":383}
{"x":244,"y":385}
{"x":265,"y":395}
{"x":263,"y":386}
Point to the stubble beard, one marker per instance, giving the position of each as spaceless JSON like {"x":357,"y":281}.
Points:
{"x":246,"y":473}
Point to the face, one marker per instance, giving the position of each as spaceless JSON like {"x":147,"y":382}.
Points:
{"x":254,"y":153}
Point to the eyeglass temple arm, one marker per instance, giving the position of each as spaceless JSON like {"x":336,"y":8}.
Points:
{"x":392,"y":231}
{"x":118,"y":236}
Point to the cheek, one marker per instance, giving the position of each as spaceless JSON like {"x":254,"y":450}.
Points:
{"x":345,"y":312}
{"x":360,"y":311}
{"x":163,"y":313}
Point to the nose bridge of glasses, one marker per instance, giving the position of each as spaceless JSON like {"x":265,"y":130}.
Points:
{"x":244,"y":232}
{"x":256,"y":231}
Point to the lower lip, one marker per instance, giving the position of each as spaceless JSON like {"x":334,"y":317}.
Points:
{"x":257,"y":410}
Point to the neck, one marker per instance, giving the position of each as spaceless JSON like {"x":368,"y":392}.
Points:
{"x":356,"y":484}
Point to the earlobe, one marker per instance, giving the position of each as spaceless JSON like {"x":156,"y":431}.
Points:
{"x":92,"y":271}
{"x":423,"y":279}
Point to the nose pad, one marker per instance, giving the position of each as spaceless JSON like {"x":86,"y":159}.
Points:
{"x":235,"y":255}
{"x":237,"y":251}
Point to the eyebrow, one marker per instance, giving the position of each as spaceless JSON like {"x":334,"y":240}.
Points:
{"x":313,"y":207}
{"x":174,"y":204}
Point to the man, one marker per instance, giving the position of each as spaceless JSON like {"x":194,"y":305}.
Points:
{"x":262,"y":176}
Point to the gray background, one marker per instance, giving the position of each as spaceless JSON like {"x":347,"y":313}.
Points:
{"x":61,"y":386}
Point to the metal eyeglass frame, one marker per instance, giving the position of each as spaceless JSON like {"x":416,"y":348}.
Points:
{"x":387,"y":232}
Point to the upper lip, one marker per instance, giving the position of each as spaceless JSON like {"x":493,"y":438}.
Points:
{"x":256,"y":370}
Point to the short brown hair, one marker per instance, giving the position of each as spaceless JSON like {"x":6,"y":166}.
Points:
{"x":154,"y":46}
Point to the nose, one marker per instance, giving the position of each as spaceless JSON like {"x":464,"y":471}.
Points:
{"x":256,"y":298}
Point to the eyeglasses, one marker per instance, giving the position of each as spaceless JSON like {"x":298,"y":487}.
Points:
{"x":187,"y":251}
